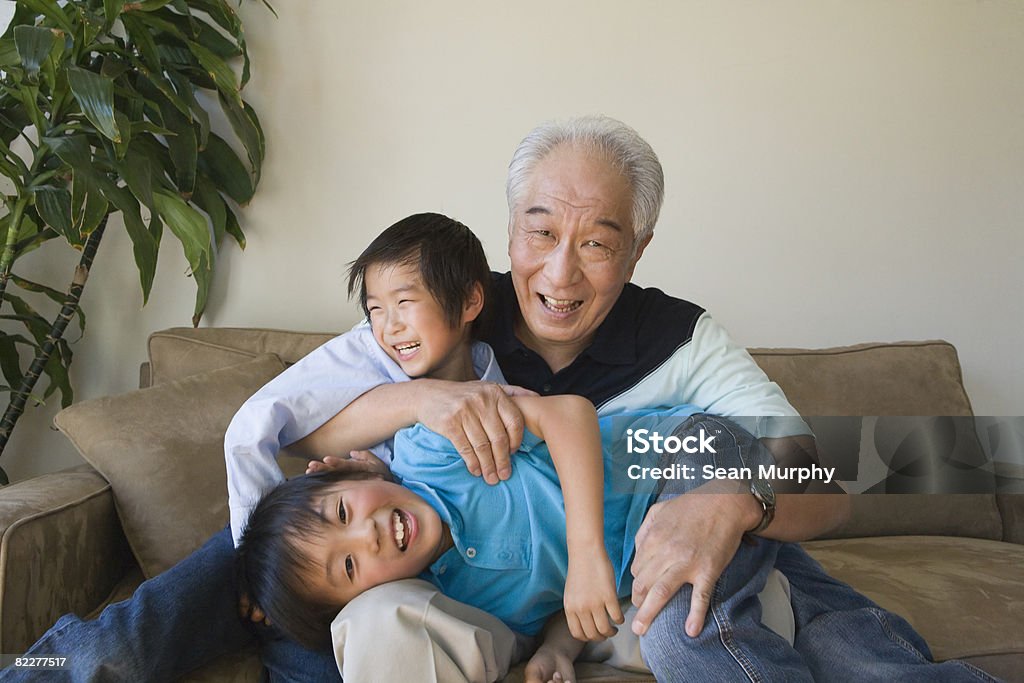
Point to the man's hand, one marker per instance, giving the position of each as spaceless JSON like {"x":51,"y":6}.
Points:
{"x":357,"y":461}
{"x":591,"y":603}
{"x":689,"y":539}
{"x":480,"y":420}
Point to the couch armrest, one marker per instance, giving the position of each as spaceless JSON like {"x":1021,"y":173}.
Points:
{"x":61,"y":550}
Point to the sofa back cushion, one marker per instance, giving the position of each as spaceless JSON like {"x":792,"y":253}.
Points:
{"x":162,"y":450}
{"x":905,"y":379}
{"x":182,"y":351}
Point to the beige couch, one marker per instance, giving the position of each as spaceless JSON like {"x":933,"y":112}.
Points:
{"x":953,"y":565}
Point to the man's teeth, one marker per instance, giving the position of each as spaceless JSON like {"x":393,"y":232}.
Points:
{"x":560,"y":305}
{"x":396,"y":516}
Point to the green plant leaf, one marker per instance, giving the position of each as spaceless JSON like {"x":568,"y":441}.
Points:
{"x":58,"y":376}
{"x":220,"y":163}
{"x":209,"y":200}
{"x":111,"y":10}
{"x":225,"y":17}
{"x":54,"y":207}
{"x":9,"y":53}
{"x":137,"y":170}
{"x":30,"y":98}
{"x":200,"y":115}
{"x":145,"y":246}
{"x":95,"y":95}
{"x":218,"y":70}
{"x":247,"y":128}
{"x":50,"y":293}
{"x":203,"y":276}
{"x":37,"y":325}
{"x":232,"y":227}
{"x":149,"y":5}
{"x":71,"y":149}
{"x":183,"y":149}
{"x":34,"y":44}
{"x":143,"y":40}
{"x":10,"y":359}
{"x":87,"y":202}
{"x":52,"y":11}
{"x":159,"y":85}
{"x":187,"y":224}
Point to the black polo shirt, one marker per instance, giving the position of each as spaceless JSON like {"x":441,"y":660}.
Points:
{"x":643,"y":330}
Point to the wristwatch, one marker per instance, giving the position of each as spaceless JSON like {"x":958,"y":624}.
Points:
{"x":764,"y":494}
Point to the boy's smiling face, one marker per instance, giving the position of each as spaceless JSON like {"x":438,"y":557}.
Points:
{"x":410,"y":325}
{"x":374,"y":532}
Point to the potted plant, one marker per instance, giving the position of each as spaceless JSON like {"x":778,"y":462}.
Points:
{"x":105,"y":112}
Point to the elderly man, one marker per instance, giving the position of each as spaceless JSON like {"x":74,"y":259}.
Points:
{"x":583,"y":201}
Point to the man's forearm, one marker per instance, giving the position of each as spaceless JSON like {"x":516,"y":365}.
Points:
{"x":798,"y":516}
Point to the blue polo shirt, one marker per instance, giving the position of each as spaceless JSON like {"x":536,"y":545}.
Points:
{"x":510,"y":556}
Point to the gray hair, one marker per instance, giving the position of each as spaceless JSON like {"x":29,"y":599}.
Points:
{"x":620,"y":144}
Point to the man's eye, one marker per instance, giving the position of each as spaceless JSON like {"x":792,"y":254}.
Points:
{"x":594,"y":243}
{"x":349,"y":567}
{"x":541,"y":233}
{"x":341,"y":511}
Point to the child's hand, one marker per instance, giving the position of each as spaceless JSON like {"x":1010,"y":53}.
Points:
{"x":591,"y":603}
{"x":549,"y":665}
{"x":357,"y":461}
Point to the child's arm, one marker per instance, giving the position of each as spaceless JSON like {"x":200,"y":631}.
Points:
{"x":569,"y":426}
{"x":556,"y":654}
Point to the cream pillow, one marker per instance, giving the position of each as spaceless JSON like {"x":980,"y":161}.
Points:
{"x":162,"y":451}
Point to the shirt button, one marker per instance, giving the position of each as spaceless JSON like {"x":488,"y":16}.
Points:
{"x":546,"y":387}
{"x":505,"y":555}
{"x":470,"y":552}
{"x":443,"y":569}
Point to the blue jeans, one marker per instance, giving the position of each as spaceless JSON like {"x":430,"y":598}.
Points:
{"x":174,"y":623}
{"x":840,"y":634}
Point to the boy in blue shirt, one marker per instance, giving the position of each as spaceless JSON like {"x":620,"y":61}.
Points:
{"x":550,"y":535}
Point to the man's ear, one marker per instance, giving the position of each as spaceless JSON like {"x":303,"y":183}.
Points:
{"x":474,"y":303}
{"x":636,"y":257}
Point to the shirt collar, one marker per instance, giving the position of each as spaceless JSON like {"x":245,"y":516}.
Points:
{"x":614,"y":342}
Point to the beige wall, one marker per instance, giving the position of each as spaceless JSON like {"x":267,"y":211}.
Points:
{"x":837,"y":172}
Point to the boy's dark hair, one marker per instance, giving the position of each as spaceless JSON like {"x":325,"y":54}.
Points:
{"x":271,"y":566}
{"x":449,"y":256}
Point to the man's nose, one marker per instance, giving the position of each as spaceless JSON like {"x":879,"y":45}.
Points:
{"x":562,"y":266}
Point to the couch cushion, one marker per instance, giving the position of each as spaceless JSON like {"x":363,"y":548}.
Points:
{"x":162,"y":451}
{"x":903,"y":378}
{"x":182,"y":351}
{"x":963,"y":595}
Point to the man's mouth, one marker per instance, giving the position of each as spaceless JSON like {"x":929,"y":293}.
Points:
{"x":401,"y":528}
{"x":559,"y":305}
{"x":406,"y":350}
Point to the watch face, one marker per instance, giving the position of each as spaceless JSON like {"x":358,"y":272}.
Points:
{"x":763,"y":491}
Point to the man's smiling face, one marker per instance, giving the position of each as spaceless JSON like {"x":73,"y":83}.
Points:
{"x":571,"y":248}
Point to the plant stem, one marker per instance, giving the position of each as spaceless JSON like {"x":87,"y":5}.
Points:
{"x":18,"y":399}
{"x":7,"y":259}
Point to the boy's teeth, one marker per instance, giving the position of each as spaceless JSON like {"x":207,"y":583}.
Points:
{"x":407,"y":347}
{"x":560,"y":305}
{"x":399,"y":529}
